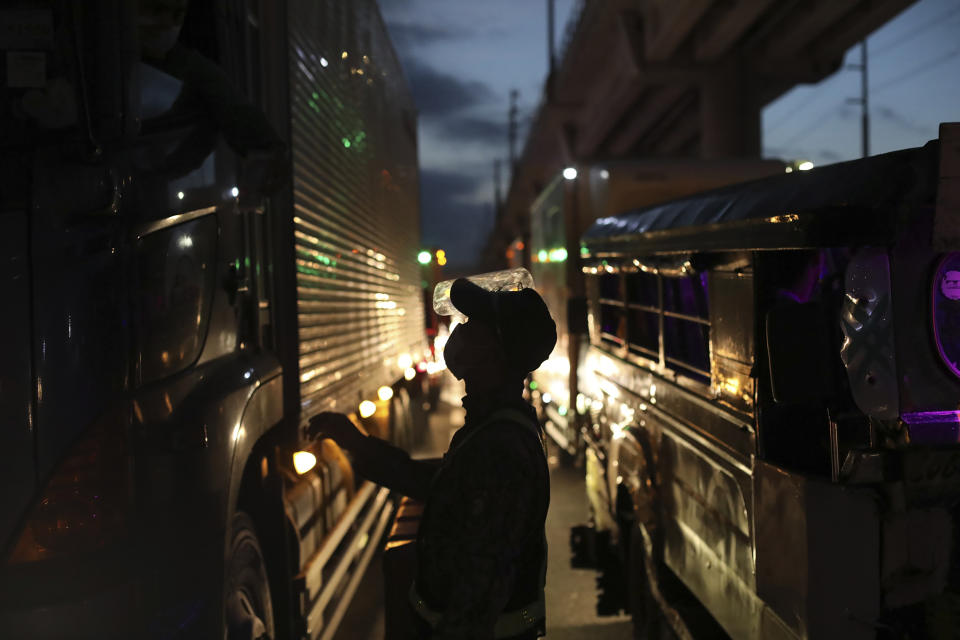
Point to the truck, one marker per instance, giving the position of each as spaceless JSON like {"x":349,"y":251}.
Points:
{"x":770,"y":399}
{"x":559,"y":216}
{"x":209,"y":217}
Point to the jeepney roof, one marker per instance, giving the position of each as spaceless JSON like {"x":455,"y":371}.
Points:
{"x":841,"y":204}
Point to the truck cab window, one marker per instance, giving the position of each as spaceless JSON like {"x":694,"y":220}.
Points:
{"x":686,"y":326}
{"x":175,"y":273}
{"x":613,"y":325}
{"x":643,"y":301}
{"x":158,"y":91}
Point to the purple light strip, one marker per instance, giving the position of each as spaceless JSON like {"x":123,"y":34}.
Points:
{"x":931,"y":417}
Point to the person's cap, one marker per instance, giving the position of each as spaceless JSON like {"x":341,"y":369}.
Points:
{"x":521,"y":319}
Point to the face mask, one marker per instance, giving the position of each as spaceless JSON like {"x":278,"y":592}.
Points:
{"x":469,"y":349}
{"x":453,"y":353}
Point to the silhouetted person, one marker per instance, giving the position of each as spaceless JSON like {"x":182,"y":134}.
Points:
{"x":481,"y":549}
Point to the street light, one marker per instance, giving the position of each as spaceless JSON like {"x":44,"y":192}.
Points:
{"x":570,"y":173}
{"x":424,"y":257}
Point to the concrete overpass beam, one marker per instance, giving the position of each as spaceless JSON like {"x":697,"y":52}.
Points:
{"x":668,"y":23}
{"x":729,"y":114}
{"x":807,"y":21}
{"x":722,"y":33}
{"x":646,"y":116}
{"x":864,"y":20}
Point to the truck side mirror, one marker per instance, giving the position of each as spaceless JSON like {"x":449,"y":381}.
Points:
{"x":798,"y":352}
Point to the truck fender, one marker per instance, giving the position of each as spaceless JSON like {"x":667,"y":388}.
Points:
{"x":635,"y":478}
{"x":263,"y":411}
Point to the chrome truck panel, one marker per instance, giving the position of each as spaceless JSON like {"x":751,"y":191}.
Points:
{"x":355,"y":199}
{"x":773,"y":536}
{"x":866,"y":319}
{"x":806,"y":530}
{"x":702,"y":486}
{"x":17,"y":473}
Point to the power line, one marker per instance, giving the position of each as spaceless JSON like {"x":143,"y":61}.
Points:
{"x":814,"y":124}
{"x":935,"y":22}
{"x":813,"y":97}
{"x":916,"y":71}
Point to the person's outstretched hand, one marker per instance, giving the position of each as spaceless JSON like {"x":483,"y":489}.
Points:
{"x":337,"y":427}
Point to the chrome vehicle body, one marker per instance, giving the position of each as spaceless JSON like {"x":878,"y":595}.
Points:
{"x":770,"y":420}
{"x":173,"y":320}
{"x":559,"y":217}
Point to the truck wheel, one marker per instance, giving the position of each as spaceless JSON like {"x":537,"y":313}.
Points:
{"x":648,"y":622}
{"x":249,"y":611}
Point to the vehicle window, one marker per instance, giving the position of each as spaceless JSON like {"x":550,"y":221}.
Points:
{"x":686,"y":326}
{"x":642,"y":288}
{"x":158,"y":91}
{"x":613,"y":328}
{"x":613,"y":325}
{"x":684,"y":314}
{"x":644,"y":332}
{"x":175,"y":279}
{"x":610,"y":286}
{"x":686,"y":345}
{"x":686,"y":295}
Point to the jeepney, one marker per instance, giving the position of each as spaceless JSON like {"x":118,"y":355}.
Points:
{"x":559,"y":216}
{"x":771,"y":398}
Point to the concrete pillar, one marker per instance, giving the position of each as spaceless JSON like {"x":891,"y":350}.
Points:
{"x":729,"y":114}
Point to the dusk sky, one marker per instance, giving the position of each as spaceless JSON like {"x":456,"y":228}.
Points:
{"x":462,"y":58}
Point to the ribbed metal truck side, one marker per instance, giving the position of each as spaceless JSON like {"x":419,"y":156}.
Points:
{"x":209,"y":218}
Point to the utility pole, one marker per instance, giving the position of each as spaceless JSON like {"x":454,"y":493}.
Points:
{"x":863,"y":100}
{"x":497,"y":203}
{"x":512,"y":130}
{"x":551,"y":55}
{"x":864,"y":94}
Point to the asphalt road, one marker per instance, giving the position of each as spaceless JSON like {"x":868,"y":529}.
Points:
{"x":571,"y":594}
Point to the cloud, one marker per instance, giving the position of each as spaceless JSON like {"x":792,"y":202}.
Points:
{"x":474,"y":129}
{"x":407,"y":35}
{"x":450,"y":218}
{"x":437,"y":93}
